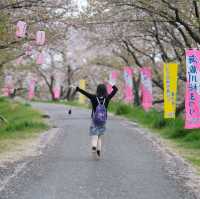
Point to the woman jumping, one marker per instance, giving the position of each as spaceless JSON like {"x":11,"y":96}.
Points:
{"x":99,"y":103}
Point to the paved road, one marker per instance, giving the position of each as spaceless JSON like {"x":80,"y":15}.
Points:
{"x":129,"y":169}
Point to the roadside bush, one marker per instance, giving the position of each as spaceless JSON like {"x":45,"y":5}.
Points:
{"x":123,"y":109}
{"x":21,"y":120}
{"x":23,"y":125}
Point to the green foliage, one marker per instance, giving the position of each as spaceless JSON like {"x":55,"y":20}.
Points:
{"x":22,"y":121}
{"x":190,"y":137}
{"x":195,"y":160}
{"x":112,"y":107}
{"x":3,"y":99}
{"x":27,"y":104}
{"x":123,"y":109}
{"x":151,"y":119}
{"x":175,"y":128}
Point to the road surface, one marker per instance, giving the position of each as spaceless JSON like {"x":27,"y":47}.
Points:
{"x":128,"y":169}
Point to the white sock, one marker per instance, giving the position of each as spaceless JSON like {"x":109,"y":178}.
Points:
{"x":99,"y":142}
{"x":94,"y":140}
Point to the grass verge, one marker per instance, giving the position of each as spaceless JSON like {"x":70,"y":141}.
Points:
{"x":22,"y":122}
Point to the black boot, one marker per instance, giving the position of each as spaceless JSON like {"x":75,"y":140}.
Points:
{"x":98,"y":153}
{"x":94,"y":149}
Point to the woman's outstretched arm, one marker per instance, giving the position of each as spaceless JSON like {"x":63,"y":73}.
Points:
{"x":84,"y":93}
{"x":114,"y":91}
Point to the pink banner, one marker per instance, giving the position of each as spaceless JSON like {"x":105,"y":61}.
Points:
{"x":146,"y":87}
{"x":56,"y":92}
{"x":128,"y":90}
{"x":112,"y":80}
{"x":21,"y":29}
{"x":40,"y":59}
{"x":31,"y":89}
{"x":40,"y":37}
{"x":8,"y":88}
{"x":6,"y":91}
{"x":192,"y":97}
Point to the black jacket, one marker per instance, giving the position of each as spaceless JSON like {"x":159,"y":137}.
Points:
{"x":93,"y":98}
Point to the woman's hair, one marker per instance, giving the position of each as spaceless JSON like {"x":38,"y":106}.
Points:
{"x":102,"y":90}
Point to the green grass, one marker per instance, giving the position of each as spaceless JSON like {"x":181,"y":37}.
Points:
{"x":22,"y":120}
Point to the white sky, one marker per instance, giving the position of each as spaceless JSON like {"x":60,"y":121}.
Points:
{"x":81,"y":3}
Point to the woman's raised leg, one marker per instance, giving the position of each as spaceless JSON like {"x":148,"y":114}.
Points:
{"x":99,"y":145}
{"x":94,"y":142}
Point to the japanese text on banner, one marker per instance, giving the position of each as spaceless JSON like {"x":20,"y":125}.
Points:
{"x":146,"y":87}
{"x":170,"y":89}
{"x":192,"y":97}
{"x":128,"y":90}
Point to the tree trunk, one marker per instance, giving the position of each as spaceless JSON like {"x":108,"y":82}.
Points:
{"x":180,"y":109}
{"x":136,"y":84}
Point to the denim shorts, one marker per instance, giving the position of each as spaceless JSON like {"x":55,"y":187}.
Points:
{"x":97,"y":130}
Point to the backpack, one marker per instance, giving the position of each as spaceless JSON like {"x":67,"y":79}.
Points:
{"x":100,"y":115}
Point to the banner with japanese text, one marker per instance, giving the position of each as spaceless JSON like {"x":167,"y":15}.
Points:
{"x":128,"y":89}
{"x":146,"y":87}
{"x":192,"y":97}
{"x":170,"y":89}
{"x":112,"y":80}
{"x":82,"y":85}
